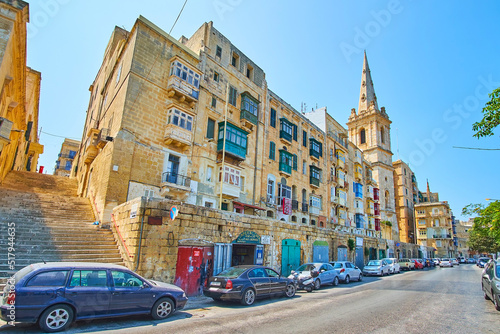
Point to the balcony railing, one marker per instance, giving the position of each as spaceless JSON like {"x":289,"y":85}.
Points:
{"x":295,"y":204}
{"x":305,"y":207}
{"x":314,"y":181}
{"x":183,"y":89}
{"x":286,"y":168}
{"x":175,"y":178}
{"x":285,"y":135}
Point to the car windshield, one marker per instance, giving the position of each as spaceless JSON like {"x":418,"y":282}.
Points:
{"x":306,"y":267}
{"x":445,"y":260}
{"x":375,"y":263}
{"x":388,"y":261}
{"x":337,"y":265}
{"x":232,"y":272}
{"x":498,"y":270}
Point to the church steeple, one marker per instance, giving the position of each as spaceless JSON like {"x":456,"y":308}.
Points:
{"x":367,"y":92}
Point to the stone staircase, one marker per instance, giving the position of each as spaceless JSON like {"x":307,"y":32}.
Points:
{"x":50,"y":223}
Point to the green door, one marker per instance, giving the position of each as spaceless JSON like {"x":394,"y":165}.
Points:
{"x":290,"y":256}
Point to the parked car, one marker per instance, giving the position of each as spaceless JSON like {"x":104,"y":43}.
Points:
{"x":327,"y":274}
{"x":376,"y":267}
{"x":481,"y":262}
{"x":471,"y":260}
{"x":393,"y":264}
{"x":491,"y":283}
{"x":436,"y":261}
{"x":247,"y":283}
{"x":406,"y":264}
{"x":462,"y":260}
{"x":445,"y":262}
{"x":418,"y":263}
{"x":429,"y":263}
{"x":347,"y":271}
{"x":454,"y":261}
{"x":54,"y":294}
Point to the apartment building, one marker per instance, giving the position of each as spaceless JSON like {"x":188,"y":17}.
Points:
{"x":64,"y":162}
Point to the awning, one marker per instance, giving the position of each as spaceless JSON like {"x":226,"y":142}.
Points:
{"x":240,"y":205}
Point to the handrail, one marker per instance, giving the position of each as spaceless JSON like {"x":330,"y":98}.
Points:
{"x":120,"y":235}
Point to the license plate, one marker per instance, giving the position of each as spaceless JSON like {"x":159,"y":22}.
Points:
{"x":215,"y":284}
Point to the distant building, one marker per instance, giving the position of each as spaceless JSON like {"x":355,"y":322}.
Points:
{"x":19,"y":93}
{"x":435,"y":225}
{"x":406,"y":193}
{"x":64,"y":162}
{"x":463,"y":233}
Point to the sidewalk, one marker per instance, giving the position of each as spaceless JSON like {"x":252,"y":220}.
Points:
{"x":198,"y":302}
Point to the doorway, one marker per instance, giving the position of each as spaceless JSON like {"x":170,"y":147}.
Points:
{"x":243,"y":255}
{"x":194,"y":266}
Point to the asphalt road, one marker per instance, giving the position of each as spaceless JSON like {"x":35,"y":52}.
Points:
{"x":440,"y":300}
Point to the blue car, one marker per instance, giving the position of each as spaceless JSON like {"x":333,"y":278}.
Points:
{"x":54,"y":294}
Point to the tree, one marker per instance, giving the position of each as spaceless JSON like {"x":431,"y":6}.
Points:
{"x":484,"y":236}
{"x":351,"y":246}
{"x":491,"y":118}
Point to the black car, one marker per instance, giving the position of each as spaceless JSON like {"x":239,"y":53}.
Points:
{"x":247,"y":283}
{"x":482,"y":261}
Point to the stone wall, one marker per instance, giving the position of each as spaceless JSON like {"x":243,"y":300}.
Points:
{"x":197,"y":225}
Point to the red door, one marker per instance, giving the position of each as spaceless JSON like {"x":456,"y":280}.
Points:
{"x":194,"y":266}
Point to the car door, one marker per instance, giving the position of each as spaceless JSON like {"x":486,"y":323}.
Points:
{"x":129,"y":293}
{"x":277,"y":284}
{"x":487,"y":276}
{"x":89,"y":292}
{"x":43,"y":289}
{"x":349,"y":268}
{"x":260,"y":281}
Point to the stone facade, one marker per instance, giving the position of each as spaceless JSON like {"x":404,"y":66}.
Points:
{"x":406,"y":191}
{"x":19,"y":95}
{"x":65,"y":158}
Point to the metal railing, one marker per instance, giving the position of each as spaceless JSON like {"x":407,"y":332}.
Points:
{"x":175,"y":178}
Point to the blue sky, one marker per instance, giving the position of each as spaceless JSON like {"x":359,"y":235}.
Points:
{"x":433,"y":65}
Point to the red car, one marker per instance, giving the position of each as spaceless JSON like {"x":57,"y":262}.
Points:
{"x":418,"y":263}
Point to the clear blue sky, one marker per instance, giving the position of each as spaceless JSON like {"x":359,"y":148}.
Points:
{"x":433,"y":65}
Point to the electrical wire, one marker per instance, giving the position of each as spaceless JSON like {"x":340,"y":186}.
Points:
{"x":477,"y":148}
{"x":50,"y":134}
{"x":170,"y":32}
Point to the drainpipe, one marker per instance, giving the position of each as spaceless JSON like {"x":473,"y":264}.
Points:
{"x":140,"y":238}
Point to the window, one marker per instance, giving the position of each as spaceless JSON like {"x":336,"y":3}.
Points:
{"x":270,"y":189}
{"x":223,"y":206}
{"x":49,"y":278}
{"x":214,"y":102}
{"x":235,"y":60}
{"x":284,"y":191}
{"x":294,"y":132}
{"x":179,"y":118}
{"x":233,"y":95}
{"x":231,"y":176}
{"x":358,"y":189}
{"x":294,"y":162}
{"x":149,"y":193}
{"x":209,"y":173}
{"x":273,"y":118}
{"x":249,"y":104}
{"x":236,"y":140}
{"x":382,"y":135}
{"x":286,"y":129}
{"x":122,"y":279}
{"x":68,"y":165}
{"x":315,"y":201}
{"x":89,"y":278}
{"x":272,"y":151}
{"x":249,"y":72}
{"x":304,"y":167}
{"x":242,"y":183}
{"x":218,"y":51}
{"x":315,"y":148}
{"x":210,"y":128}
{"x":421,"y":222}
{"x":209,"y":205}
{"x":216,"y":76}
{"x":184,"y":73}
{"x":118,"y":73}
{"x":286,"y":162}
{"x":362,"y":136}
{"x":315,"y":173}
{"x":72,"y":154}
{"x":304,"y":138}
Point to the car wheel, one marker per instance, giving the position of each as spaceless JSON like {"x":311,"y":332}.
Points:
{"x":317,"y":284}
{"x":360,"y":278}
{"x":290,"y":290}
{"x":495,"y":301}
{"x":485,"y":294}
{"x":335,"y":281}
{"x":347,"y":279}
{"x":56,"y":318}
{"x":248,"y":297}
{"x":162,"y":308}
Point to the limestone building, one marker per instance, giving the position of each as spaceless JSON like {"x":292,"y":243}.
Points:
{"x":435,"y":225}
{"x":406,"y":192}
{"x":191,"y":123}
{"x":65,"y":158}
{"x":19,"y":94}
{"x":369,"y":129}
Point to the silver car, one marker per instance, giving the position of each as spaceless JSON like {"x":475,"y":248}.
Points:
{"x":393,"y":265}
{"x":376,"y":267}
{"x":445,"y":262}
{"x":327,"y":274}
{"x":347,"y":271}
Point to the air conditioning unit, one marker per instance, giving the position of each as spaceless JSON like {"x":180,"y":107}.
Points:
{"x":5,"y":128}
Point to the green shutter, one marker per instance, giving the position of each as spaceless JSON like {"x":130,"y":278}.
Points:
{"x":272,"y":150}
{"x":295,"y":162}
